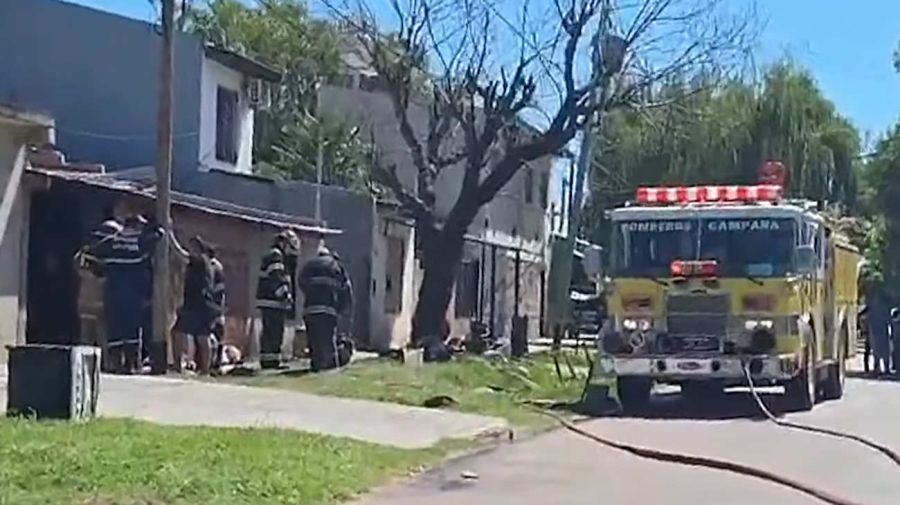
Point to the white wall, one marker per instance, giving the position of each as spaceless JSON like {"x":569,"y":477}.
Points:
{"x":392,"y":331}
{"x":213,"y":75}
{"x":13,"y":238}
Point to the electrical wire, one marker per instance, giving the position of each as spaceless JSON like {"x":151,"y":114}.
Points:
{"x":106,"y":136}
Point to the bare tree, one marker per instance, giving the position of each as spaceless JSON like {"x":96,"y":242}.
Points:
{"x":489,"y":66}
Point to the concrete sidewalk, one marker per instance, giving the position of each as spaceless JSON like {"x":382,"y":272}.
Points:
{"x":189,"y":402}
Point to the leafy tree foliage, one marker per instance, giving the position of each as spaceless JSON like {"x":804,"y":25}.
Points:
{"x":723,"y":133}
{"x":881,"y":184}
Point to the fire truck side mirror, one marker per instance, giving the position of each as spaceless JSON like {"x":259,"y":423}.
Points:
{"x":806,"y":259}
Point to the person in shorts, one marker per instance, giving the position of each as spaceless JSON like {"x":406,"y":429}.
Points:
{"x":198,"y":313}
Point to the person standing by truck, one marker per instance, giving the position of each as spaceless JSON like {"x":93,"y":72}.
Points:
{"x":894,"y":326}
{"x":877,"y":314}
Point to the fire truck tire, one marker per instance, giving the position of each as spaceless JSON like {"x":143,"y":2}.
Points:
{"x":634,"y":393}
{"x":801,"y":390}
{"x":833,"y":385}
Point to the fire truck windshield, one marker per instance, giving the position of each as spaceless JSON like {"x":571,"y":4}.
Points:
{"x":752,"y":247}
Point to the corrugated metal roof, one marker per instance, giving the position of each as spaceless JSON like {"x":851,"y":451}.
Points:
{"x":139,"y":182}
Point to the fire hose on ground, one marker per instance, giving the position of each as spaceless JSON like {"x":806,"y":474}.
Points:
{"x":702,"y":461}
{"x":730,"y":466}
{"x":887,"y":451}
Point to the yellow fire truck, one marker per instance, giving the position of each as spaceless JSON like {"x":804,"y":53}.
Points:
{"x":709,"y":283}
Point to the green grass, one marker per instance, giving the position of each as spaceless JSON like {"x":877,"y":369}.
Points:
{"x":117,"y":462}
{"x":478,"y":386}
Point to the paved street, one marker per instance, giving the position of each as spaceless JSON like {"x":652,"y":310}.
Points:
{"x":563,"y":468}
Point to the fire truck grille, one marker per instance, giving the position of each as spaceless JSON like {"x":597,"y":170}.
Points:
{"x":697,"y":322}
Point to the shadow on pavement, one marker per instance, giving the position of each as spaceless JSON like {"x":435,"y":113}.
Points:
{"x":732,"y":404}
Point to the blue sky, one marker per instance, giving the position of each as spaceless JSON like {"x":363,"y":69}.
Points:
{"x":848,"y":49}
{"x":848,"y":46}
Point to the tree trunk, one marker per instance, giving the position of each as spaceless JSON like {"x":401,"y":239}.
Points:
{"x":440,"y":262}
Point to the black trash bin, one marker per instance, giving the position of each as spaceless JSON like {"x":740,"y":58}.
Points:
{"x":53,"y":381}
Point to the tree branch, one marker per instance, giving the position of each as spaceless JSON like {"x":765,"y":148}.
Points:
{"x":388,"y":177}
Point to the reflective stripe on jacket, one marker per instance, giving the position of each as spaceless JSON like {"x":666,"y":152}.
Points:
{"x":126,"y":256}
{"x":273,"y":288}
{"x":325,"y":286}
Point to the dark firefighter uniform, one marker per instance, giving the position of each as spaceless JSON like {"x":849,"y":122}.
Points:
{"x":218,"y":300}
{"x":274,"y":299}
{"x":103,"y":233}
{"x":124,"y":256}
{"x":326,"y":291}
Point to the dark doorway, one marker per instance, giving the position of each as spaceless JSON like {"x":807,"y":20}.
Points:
{"x":53,"y":283}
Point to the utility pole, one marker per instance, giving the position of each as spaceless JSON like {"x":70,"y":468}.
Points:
{"x":319,"y":155}
{"x":163,"y":189}
{"x":607,"y":57}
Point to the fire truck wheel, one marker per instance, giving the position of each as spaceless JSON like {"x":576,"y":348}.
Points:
{"x":833,"y":385}
{"x":801,"y":390}
{"x":634,"y":393}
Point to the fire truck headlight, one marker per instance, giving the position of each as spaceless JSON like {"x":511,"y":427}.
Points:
{"x":632,"y":324}
{"x":752,"y":324}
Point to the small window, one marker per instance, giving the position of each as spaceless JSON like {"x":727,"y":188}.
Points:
{"x":226,"y":125}
{"x":529,"y":185}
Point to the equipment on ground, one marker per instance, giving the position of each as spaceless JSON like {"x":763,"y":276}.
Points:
{"x":706,"y":278}
{"x":53,"y":381}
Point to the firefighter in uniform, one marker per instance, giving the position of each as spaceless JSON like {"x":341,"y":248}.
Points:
{"x":326,"y":292}
{"x":218,"y":299}
{"x":123,"y":255}
{"x":99,"y":236}
{"x":274,"y":298}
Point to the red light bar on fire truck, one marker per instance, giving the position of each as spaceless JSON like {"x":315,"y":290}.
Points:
{"x":695,"y":194}
{"x":702,"y":268}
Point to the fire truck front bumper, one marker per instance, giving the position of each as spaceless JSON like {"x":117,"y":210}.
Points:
{"x":764,"y":368}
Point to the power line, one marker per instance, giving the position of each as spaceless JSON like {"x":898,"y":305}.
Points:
{"x":126,"y":138}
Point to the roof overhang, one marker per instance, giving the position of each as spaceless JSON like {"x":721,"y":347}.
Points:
{"x":243,"y":64}
{"x":141,"y":189}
